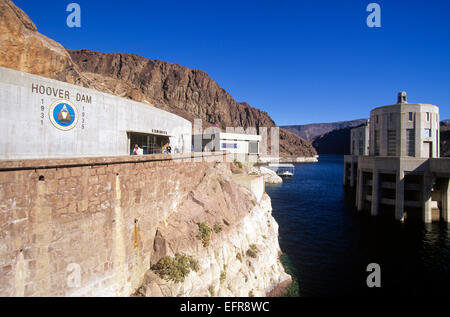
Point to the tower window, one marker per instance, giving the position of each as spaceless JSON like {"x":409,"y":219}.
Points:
{"x":377,"y":142}
{"x":410,"y":116}
{"x":392,"y":139}
{"x":410,"y":141}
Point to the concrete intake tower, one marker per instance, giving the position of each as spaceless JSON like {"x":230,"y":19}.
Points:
{"x":394,"y":164}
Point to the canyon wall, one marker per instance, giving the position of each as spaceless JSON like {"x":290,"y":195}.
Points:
{"x":95,"y":227}
{"x":313,"y":130}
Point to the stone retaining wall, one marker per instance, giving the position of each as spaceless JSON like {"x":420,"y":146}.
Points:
{"x":75,"y":227}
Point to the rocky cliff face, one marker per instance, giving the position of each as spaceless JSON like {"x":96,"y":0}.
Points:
{"x":189,"y":92}
{"x":23,"y":48}
{"x":226,"y":242}
{"x":444,"y":138}
{"x":333,"y":142}
{"x":186,"y":92}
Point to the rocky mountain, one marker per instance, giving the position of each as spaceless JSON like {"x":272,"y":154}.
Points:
{"x":333,"y":142}
{"x":313,"y":130}
{"x":23,"y":48}
{"x":189,"y":93}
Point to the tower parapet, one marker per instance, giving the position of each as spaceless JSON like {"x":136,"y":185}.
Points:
{"x":405,"y":129}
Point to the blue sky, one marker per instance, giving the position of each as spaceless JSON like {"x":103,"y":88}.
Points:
{"x":301,"y":61}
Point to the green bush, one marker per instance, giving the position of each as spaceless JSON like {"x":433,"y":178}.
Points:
{"x":223,"y":277}
{"x":217,"y":227}
{"x":236,"y":167}
{"x":175,"y":269}
{"x":252,"y":251}
{"x":211,"y":291}
{"x":204,"y":233}
{"x":239,"y":256}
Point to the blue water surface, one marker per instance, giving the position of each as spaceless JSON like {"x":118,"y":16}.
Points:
{"x":329,"y":244}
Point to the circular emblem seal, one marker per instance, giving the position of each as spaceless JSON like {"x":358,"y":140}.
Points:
{"x":63,"y":114}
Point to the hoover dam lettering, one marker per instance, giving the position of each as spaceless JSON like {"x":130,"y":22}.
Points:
{"x":59,"y":93}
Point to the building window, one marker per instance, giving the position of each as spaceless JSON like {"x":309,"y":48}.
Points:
{"x":411,"y":142}
{"x":427,"y":133}
{"x":437,"y":143}
{"x":149,"y":143}
{"x":428,"y":116}
{"x":410,"y":116}
{"x":377,"y":142}
{"x":229,"y":145}
{"x":390,"y":117}
{"x":253,"y":147}
{"x":360,"y":147}
{"x":392,"y":142}
{"x":376,"y":118}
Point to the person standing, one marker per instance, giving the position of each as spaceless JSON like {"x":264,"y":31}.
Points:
{"x":137,"y":150}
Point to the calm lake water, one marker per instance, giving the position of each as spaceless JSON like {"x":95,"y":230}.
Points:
{"x":329,"y":244}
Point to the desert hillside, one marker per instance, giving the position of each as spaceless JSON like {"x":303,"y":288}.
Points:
{"x":311,"y":131}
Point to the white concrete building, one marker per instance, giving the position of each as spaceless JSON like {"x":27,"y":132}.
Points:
{"x":45,"y":118}
{"x":240,"y":144}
